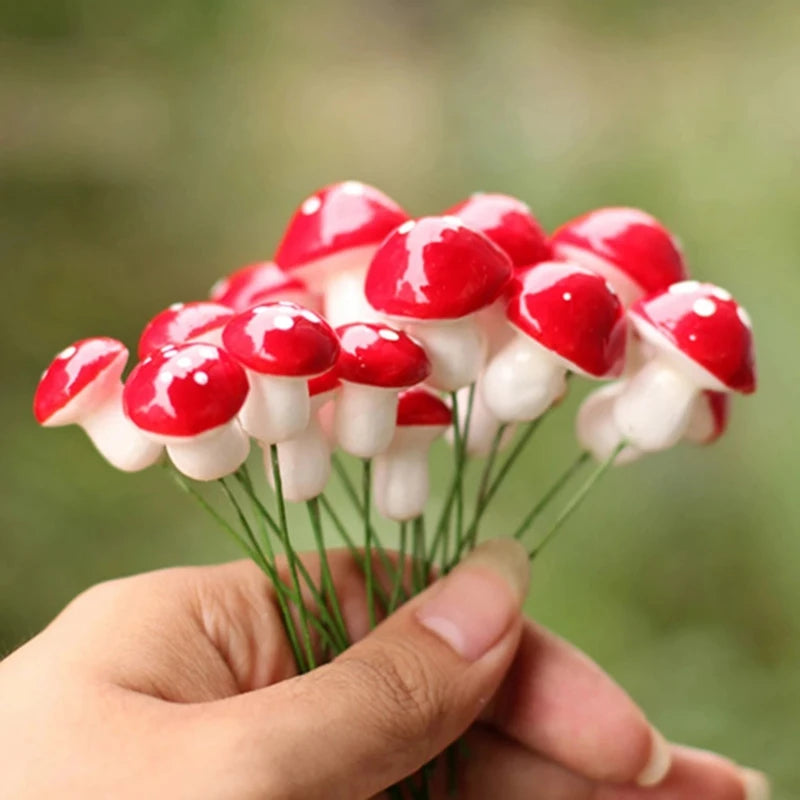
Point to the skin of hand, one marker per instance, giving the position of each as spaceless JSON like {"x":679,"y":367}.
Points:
{"x":180,"y":684}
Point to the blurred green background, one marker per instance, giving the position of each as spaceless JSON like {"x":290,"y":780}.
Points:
{"x":147,"y":148}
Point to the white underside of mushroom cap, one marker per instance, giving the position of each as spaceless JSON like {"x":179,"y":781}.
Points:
{"x":626,"y":288}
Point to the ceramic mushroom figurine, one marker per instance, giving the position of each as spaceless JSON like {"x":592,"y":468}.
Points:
{"x":709,"y":418}
{"x":632,"y":250}
{"x":281,"y":346}
{"x":305,"y":460}
{"x":400,"y":473}
{"x":375,"y":364}
{"x":264,"y":282}
{"x":184,"y":322}
{"x":82,"y":387}
{"x":330,"y":241}
{"x":187,"y":398}
{"x":566,"y":318}
{"x":431,"y":277}
{"x":701,"y":339}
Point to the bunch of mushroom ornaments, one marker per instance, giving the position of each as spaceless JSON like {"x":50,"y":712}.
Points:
{"x":371,"y":335}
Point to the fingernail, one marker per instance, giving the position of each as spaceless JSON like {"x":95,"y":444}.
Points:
{"x":479,"y":599}
{"x":756,"y":785}
{"x":659,"y":763}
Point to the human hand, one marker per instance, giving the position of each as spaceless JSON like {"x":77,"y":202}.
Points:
{"x":180,"y":684}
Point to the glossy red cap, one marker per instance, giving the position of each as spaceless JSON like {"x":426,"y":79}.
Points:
{"x":327,"y":382}
{"x":708,"y":326}
{"x":509,"y":223}
{"x":180,"y":323}
{"x":184,"y":390}
{"x":631,"y":240}
{"x":282,"y":339}
{"x":436,"y":268}
{"x":339,"y":217}
{"x":377,"y":355}
{"x":75,"y":369}
{"x":257,"y":283}
{"x":574,"y":313}
{"x":420,"y":406}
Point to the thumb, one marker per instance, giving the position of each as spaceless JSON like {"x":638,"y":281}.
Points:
{"x":395,"y":699}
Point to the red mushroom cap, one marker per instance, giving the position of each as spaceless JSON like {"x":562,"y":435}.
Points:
{"x":184,"y":391}
{"x":509,"y":223}
{"x":422,"y":407}
{"x":377,"y":355}
{"x":327,"y":382}
{"x":712,"y":420}
{"x":339,"y":217}
{"x":631,"y":240}
{"x":75,"y":370}
{"x":282,"y":339}
{"x":180,"y":323}
{"x":706,"y":325}
{"x":257,"y":283}
{"x":574,"y":313}
{"x":436,"y":268}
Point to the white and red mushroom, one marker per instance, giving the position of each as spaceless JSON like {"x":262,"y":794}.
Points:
{"x":305,"y":460}
{"x":281,"y":346}
{"x":187,"y":398}
{"x":82,"y":386}
{"x":400,"y":477}
{"x":700,"y":339}
{"x":200,"y":321}
{"x":264,"y":282}
{"x":566,"y":318}
{"x":631,"y":249}
{"x":376,"y":363}
{"x":431,"y":277}
{"x":330,"y":241}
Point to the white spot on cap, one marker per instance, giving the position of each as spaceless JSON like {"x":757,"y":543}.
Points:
{"x":209,"y":352}
{"x":407,"y":226}
{"x":184,"y":362}
{"x":68,"y":352}
{"x":389,"y":335}
{"x":684,"y":287}
{"x":200,"y":378}
{"x":283,"y":322}
{"x":704,"y":307}
{"x":721,"y":294}
{"x":165,"y":377}
{"x":744,"y":317}
{"x":311,"y":205}
{"x":567,"y":296}
{"x":453,"y":222}
{"x":353,"y":187}
{"x":176,"y":306}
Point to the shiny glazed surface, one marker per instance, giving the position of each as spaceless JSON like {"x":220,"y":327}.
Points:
{"x":181,"y":322}
{"x":255,"y":283}
{"x":420,"y":406}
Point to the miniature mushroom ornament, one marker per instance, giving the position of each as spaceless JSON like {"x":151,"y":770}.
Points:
{"x":431,"y":277}
{"x":200,"y":321}
{"x":82,"y":387}
{"x":566,"y":318}
{"x":701,"y":339}
{"x":631,"y":249}
{"x":511,"y":225}
{"x":187,"y":398}
{"x":376,"y":363}
{"x":400,"y":473}
{"x":305,"y":460}
{"x":264,"y":282}
{"x":330,"y":241}
{"x":281,"y":346}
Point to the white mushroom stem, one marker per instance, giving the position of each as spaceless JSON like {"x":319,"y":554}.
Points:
{"x":654,"y":409}
{"x":456,"y":349}
{"x":523,"y":380}
{"x":210,"y":455}
{"x":483,"y":424}
{"x":400,"y":482}
{"x":117,"y":439}
{"x":596,"y":430}
{"x":364,"y":419}
{"x":344,"y":299}
{"x":276,"y":408}
{"x":305,"y":460}
{"x":495,"y":326}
